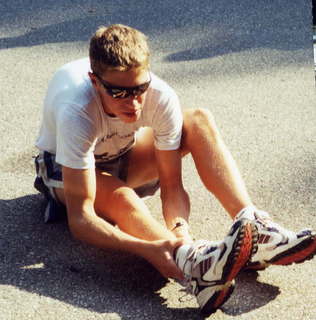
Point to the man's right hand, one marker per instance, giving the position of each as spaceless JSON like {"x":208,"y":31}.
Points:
{"x":160,"y":254}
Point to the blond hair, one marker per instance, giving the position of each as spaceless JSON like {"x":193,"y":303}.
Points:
{"x":118,"y":47}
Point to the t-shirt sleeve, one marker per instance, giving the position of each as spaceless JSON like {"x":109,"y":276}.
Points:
{"x":75,"y":140}
{"x":167,"y":123}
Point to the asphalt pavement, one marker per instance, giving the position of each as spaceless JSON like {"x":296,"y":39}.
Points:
{"x":250,"y":63}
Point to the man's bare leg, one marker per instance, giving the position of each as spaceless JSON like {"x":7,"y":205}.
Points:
{"x":214,"y":162}
{"x":119,"y":204}
{"x":143,"y":169}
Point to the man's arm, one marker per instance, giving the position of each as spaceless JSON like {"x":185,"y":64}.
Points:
{"x":85,"y":225}
{"x":175,"y":200}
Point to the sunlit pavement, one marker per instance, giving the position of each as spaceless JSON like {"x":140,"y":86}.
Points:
{"x":250,"y":63}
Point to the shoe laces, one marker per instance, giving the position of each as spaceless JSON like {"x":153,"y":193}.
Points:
{"x":188,"y":291}
{"x":262,"y":218}
{"x":197,"y":248}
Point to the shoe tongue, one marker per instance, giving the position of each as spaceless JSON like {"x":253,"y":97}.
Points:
{"x":186,"y":253}
{"x":210,"y":246}
{"x":246,"y":213}
{"x":182,"y":254}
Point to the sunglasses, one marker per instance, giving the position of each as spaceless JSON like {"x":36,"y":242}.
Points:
{"x":117,"y":92}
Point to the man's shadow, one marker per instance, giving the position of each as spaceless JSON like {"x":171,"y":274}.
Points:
{"x":46,"y":260}
{"x":250,"y":294}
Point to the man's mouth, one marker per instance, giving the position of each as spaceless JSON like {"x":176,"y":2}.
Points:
{"x":132,"y":113}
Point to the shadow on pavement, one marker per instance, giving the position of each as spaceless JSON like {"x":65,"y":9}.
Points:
{"x":44,"y":259}
{"x":254,"y":294}
{"x":249,"y":294}
{"x":215,"y":27}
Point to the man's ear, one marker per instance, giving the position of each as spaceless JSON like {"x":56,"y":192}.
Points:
{"x":92,"y":78}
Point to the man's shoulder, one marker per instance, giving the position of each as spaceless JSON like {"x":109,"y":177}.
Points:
{"x":159,"y":84}
{"x":82,"y":64}
{"x":71,"y":84}
{"x":71,"y":73}
{"x":160,"y":89}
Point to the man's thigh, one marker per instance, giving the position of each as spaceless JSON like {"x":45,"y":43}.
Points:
{"x":142,"y":166}
{"x":113,"y":197}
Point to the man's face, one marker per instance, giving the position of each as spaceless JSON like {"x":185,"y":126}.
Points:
{"x":129,"y":108}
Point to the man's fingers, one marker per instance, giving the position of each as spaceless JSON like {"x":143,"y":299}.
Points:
{"x":172,"y":271}
{"x":176,"y":272}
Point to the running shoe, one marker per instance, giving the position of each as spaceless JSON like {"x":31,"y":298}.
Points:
{"x":210,"y":267}
{"x":277,"y":245}
{"x":55,"y":211}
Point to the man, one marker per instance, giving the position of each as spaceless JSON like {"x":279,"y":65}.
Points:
{"x":113,"y":132}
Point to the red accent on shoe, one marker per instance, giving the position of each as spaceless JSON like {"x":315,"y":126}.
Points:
{"x":239,"y":263}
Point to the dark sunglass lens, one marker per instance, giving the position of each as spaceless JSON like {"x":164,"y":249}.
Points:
{"x":137,"y":92}
{"x":122,"y":93}
{"x":117,"y":93}
{"x":144,"y":86}
{"x":140,"y":89}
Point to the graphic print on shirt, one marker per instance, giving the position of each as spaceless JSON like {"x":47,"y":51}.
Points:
{"x":118,"y":144}
{"x":113,"y":134}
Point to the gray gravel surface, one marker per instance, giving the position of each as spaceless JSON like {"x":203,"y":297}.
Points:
{"x":250,"y":63}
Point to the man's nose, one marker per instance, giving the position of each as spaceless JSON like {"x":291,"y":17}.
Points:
{"x":134,"y":99}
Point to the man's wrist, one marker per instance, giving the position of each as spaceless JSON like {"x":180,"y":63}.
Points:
{"x":139,"y":247}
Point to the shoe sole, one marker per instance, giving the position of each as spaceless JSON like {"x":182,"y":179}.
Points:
{"x":300,"y":253}
{"x":244,"y":247}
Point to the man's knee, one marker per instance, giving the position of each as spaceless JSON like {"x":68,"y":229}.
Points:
{"x":198,"y":117}
{"x":199,"y":121}
{"x":123,"y":197}
{"x":125,"y":201}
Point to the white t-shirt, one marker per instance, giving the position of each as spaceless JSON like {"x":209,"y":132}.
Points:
{"x":76,"y":128}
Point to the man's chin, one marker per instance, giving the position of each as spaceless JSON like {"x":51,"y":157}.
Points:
{"x":130,"y":117}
